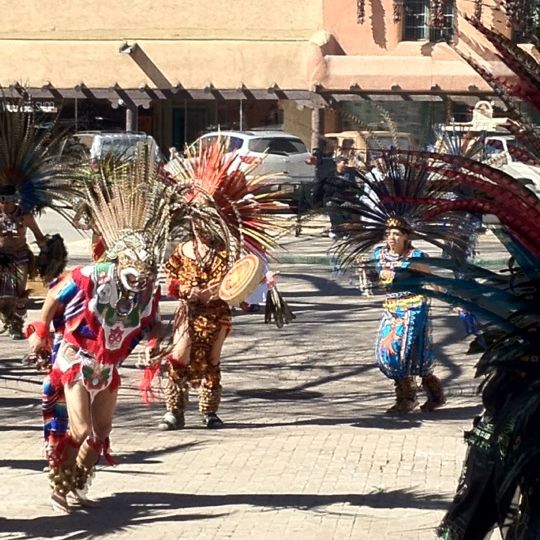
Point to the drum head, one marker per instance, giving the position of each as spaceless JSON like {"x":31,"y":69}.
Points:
{"x":241,"y":280}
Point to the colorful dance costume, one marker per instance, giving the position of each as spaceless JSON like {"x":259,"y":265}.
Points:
{"x":399,"y":201}
{"x":403,"y":347}
{"x":205,"y":322}
{"x":100,"y":313}
{"x":499,"y":485}
{"x":13,"y":272}
{"x":102,"y":325}
{"x":227,"y":205}
{"x":32,"y":178}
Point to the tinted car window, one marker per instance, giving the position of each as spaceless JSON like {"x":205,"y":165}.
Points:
{"x":275,"y":145}
{"x":232,"y":143}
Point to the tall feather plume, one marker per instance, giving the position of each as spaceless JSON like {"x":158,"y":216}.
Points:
{"x":490,"y":192}
{"x":522,"y":64}
{"x":228,"y":199}
{"x":524,"y":84}
{"x":509,"y":363}
{"x":131,"y":196}
{"x":31,"y":159}
{"x":407,"y":180}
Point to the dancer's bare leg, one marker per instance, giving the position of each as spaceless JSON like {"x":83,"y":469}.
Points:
{"x":103,"y":408}
{"x":101,"y":411}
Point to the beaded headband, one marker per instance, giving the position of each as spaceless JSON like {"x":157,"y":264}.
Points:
{"x":395,"y":222}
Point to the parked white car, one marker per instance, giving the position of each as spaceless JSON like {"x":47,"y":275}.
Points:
{"x":276,"y":152}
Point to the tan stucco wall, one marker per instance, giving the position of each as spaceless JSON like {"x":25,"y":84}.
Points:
{"x":163,"y":19}
{"x":191,"y":43}
{"x":193,"y":64}
{"x":297,"y":120}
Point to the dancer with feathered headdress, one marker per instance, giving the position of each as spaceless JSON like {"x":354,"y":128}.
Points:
{"x":33,"y":177}
{"x":386,"y":213}
{"x":106,"y":309}
{"x":229,"y":216}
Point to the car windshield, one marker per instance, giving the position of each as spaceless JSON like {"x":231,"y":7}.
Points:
{"x":330,"y":145}
{"x":118,"y":146}
{"x":375,"y":145}
{"x":387,"y":142}
{"x":277,"y":145}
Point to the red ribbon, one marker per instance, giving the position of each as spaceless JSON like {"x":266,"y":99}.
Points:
{"x":146,"y":384}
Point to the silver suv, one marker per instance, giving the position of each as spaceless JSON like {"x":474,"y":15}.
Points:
{"x":276,"y":152}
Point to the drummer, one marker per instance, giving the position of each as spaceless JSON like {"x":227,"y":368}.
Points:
{"x":202,"y":322}
{"x":227,"y":216}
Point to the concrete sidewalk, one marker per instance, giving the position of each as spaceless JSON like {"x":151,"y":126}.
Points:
{"x":307,"y":452}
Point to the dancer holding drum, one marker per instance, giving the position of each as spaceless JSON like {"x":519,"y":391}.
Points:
{"x":228,"y":219}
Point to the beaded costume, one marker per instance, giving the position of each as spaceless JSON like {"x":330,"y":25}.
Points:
{"x":205,"y":321}
{"x":499,"y":484}
{"x":100,"y":313}
{"x":32,"y":177}
{"x":226,"y":208}
{"x":403,"y":345}
{"x":394,"y":202}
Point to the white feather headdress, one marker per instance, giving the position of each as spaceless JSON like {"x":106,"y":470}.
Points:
{"x":130,"y":204}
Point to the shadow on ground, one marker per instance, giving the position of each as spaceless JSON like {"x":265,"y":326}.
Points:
{"x":125,"y":511}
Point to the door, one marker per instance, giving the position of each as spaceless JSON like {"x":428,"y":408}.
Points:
{"x":187,"y":125}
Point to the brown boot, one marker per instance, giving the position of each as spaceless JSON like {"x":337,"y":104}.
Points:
{"x":435,"y":395}
{"x":405,"y":396}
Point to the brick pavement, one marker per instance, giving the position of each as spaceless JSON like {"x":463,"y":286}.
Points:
{"x":308,"y":452}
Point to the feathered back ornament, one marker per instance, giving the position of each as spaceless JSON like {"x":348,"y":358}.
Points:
{"x":523,"y":84}
{"x":130,"y":204}
{"x":228,"y":199}
{"x":392,"y":202}
{"x":32,"y":169}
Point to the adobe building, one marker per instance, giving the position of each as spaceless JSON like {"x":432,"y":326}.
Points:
{"x":178,"y":67}
{"x":391,"y":53}
{"x":171,"y":68}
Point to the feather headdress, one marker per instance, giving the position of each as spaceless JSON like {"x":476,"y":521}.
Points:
{"x":504,"y":444}
{"x":130,"y":204}
{"x":228,"y":199}
{"x":522,"y":84}
{"x":392,"y":202}
{"x":32,"y":168}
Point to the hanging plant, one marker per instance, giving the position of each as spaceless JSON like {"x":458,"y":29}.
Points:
{"x":518,"y":12}
{"x":436,"y":13}
{"x":478,"y":9}
{"x":360,"y":11}
{"x":398,"y":9}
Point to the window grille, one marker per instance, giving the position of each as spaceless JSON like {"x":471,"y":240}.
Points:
{"x":416,"y":22}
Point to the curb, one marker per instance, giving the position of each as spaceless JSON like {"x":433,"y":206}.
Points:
{"x":327,"y":260}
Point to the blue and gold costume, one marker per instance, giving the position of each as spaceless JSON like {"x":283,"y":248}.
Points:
{"x":403,"y":347}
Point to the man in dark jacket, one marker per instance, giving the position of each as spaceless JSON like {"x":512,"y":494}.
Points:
{"x":338,"y":186}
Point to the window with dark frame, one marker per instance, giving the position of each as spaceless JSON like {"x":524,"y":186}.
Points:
{"x":416,"y":22}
